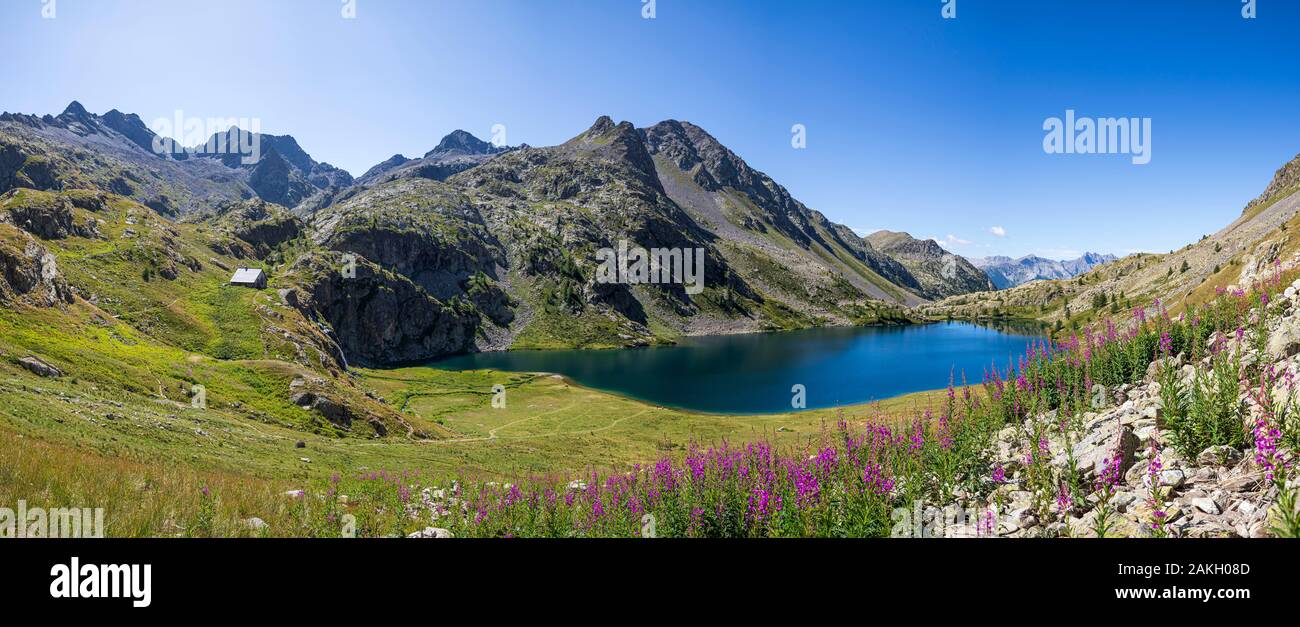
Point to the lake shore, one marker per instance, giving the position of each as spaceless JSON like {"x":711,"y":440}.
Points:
{"x":776,"y":373}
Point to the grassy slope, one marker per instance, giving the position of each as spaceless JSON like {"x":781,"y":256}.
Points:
{"x":146,"y":463}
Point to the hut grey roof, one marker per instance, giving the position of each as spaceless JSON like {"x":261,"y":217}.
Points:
{"x":247,"y":275}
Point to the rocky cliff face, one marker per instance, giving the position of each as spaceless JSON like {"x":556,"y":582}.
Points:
{"x":421,"y":229}
{"x":379,"y":318}
{"x":28,"y":272}
{"x":261,"y":225}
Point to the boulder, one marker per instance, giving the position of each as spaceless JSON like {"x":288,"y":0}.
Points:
{"x":1222,"y":455}
{"x":1100,"y":445}
{"x":1284,"y":342}
{"x":39,"y":367}
{"x":1207,"y":505}
{"x":331,"y":409}
{"x":1172,"y":478}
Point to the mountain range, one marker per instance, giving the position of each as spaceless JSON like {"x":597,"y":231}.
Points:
{"x":474,"y":246}
{"x":1007,"y":272}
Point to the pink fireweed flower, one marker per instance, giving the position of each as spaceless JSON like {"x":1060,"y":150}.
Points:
{"x":1064,"y":501}
{"x":664,"y":475}
{"x":1266,"y":439}
{"x":945,"y":433}
{"x":807,"y":488}
{"x":918,"y":436}
{"x":693,"y":527}
{"x":1110,"y":475}
{"x":827,"y":460}
{"x":1155,"y":466}
{"x":999,"y":474}
{"x":876,"y":481}
{"x":762,"y":504}
{"x":1166,"y":343}
{"x":514,"y":495}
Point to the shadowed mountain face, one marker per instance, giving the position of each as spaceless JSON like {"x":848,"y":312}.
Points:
{"x":1007,"y":272}
{"x":739,"y":203}
{"x":474,"y":246}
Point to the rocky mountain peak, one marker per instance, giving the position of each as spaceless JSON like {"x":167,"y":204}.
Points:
{"x":387,"y":165}
{"x":74,"y":109}
{"x":132,"y":127}
{"x":602,"y":125}
{"x":76,"y":119}
{"x":461,"y":143}
{"x":902,"y":243}
{"x":619,"y":142}
{"x":605,"y":132}
{"x":689,"y":146}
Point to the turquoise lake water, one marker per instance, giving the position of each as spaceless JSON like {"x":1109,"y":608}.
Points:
{"x":755,"y":373}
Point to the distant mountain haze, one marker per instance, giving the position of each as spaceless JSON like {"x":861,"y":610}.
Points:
{"x":1006,"y":272}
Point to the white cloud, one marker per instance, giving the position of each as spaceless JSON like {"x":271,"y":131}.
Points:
{"x":998,"y":231}
{"x":950,"y":241}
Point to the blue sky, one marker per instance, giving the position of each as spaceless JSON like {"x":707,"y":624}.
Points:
{"x":914,"y":122}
